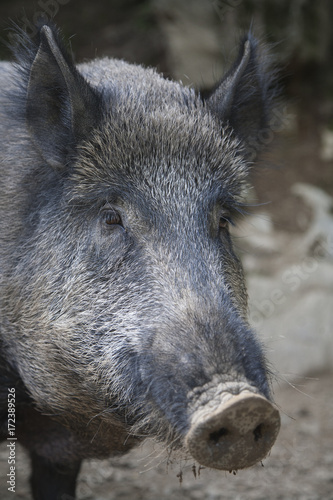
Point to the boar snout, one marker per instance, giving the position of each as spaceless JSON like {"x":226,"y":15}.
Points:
{"x":236,"y":434}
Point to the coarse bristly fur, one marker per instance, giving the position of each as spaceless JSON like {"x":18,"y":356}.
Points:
{"x":123,"y":305}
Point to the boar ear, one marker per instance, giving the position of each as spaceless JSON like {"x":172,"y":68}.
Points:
{"x":61,"y":106}
{"x":242,"y":98}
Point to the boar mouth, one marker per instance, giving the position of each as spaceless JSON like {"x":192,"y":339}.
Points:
{"x":230,"y":426}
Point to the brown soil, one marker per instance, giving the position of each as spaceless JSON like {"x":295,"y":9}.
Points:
{"x":300,"y":466}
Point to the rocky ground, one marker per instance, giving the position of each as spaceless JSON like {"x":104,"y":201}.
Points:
{"x":300,"y":466}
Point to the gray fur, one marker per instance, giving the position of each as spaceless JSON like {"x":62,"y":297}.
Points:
{"x":110,"y":328}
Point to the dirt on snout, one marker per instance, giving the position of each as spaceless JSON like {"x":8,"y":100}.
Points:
{"x":300,"y":465}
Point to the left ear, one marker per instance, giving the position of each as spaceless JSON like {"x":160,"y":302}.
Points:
{"x":61,"y":107}
{"x":243,"y":97}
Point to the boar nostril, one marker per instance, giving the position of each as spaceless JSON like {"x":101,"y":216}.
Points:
{"x":217,"y":435}
{"x":258,"y":432}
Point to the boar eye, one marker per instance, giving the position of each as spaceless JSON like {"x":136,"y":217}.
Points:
{"x":224,"y":223}
{"x":111,"y":217}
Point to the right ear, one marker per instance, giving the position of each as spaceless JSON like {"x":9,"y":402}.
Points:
{"x":245,"y":95}
{"x":61,"y":107}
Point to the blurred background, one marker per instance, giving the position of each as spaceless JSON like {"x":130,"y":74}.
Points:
{"x":285,"y":242}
